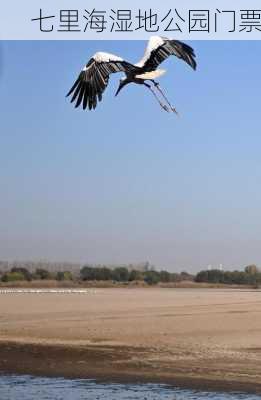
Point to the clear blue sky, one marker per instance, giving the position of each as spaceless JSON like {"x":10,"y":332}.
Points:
{"x":129,"y":182}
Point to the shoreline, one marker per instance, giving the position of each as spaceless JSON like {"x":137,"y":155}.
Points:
{"x":203,"y":339}
{"x":112,"y":364}
{"x":53,"y":284}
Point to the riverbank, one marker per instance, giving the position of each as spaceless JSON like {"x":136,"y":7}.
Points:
{"x":187,"y":284}
{"x":206,"y":339}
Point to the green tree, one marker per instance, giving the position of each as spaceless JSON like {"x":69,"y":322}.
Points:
{"x":120,"y":274}
{"x":64,"y":276}
{"x":13,"y":277}
{"x":103,"y":274}
{"x":202,"y":276}
{"x":27,"y":275}
{"x":42,"y":274}
{"x":135,"y":275}
{"x":151,"y":277}
{"x":164,"y":276}
{"x":87,"y":273}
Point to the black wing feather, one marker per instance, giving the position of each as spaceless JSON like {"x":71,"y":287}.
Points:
{"x":80,"y":96}
{"x":168,"y":48}
{"x":93,"y":80}
{"x":85,"y":98}
{"x":76,"y":90}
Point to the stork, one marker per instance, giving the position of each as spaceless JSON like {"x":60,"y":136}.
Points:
{"x":94,"y":77}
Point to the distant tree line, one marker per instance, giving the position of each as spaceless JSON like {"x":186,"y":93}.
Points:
{"x":22,"y":274}
{"x":146,"y":273}
{"x":100,"y":273}
{"x":250,"y":276}
{"x":123,"y":274}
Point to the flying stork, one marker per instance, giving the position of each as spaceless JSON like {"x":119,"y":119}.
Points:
{"x":94,"y":77}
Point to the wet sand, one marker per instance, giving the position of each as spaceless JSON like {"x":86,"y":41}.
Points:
{"x":205,"y":338}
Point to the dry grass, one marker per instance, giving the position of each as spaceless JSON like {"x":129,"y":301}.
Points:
{"x":110,"y":284}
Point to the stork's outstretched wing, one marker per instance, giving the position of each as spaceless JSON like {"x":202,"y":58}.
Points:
{"x":94,"y":78}
{"x":160,"y":48}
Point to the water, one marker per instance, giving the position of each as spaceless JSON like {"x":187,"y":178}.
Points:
{"x":32,"y":388}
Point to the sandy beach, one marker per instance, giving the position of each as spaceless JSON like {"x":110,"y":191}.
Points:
{"x":205,"y":338}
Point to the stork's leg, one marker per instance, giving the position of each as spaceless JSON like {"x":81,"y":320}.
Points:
{"x":157,"y":86}
{"x":158,"y":100}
